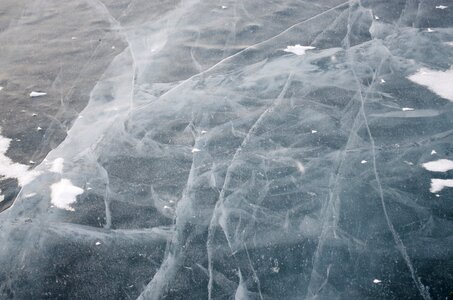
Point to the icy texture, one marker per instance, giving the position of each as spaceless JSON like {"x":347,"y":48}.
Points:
{"x":215,"y":165}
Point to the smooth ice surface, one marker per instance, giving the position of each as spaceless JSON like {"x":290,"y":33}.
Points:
{"x":253,"y":149}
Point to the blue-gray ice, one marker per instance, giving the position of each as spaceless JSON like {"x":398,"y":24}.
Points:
{"x":244,"y":149}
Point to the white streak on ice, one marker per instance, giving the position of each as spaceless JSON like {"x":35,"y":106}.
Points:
{"x":407,"y":109}
{"x":298,"y":49}
{"x":37,"y":94}
{"x":300,"y":167}
{"x":64,"y":193}
{"x":241,"y":291}
{"x":441,"y":7}
{"x":438,"y":185}
{"x":440,"y":82}
{"x":441,"y":165}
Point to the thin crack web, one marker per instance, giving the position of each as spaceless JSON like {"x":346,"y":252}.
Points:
{"x":216,"y":165}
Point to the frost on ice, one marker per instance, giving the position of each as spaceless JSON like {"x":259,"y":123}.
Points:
{"x":441,"y":165}
{"x":37,"y":94}
{"x":10,"y":169}
{"x":438,"y":185}
{"x":440,"y":82}
{"x":64,"y":193}
{"x":298,"y":49}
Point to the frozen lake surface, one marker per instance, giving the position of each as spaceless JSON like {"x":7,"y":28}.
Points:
{"x":226,"y":149}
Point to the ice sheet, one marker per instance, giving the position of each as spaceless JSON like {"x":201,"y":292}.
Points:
{"x":220,"y":150}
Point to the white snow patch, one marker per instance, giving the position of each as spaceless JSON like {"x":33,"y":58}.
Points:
{"x":441,"y":7}
{"x":10,"y":169}
{"x":64,"y":193}
{"x":440,"y":82}
{"x":57,"y":165}
{"x":441,"y":165}
{"x":407,"y":109}
{"x":377,"y":281}
{"x":438,"y":185}
{"x":298,"y":49}
{"x":37,"y":94}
